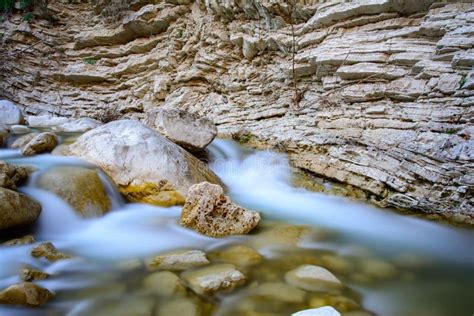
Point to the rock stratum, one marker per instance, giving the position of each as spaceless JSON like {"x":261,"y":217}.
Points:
{"x":384,"y":88}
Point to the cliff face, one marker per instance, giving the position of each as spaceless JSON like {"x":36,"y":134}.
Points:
{"x":384,"y":88}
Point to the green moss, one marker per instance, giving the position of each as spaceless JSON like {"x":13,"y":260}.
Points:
{"x":28,"y":16}
{"x":90,"y":61}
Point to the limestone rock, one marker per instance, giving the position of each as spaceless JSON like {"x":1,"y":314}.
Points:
{"x":11,"y":176}
{"x":279,"y":291}
{"x":321,"y":311}
{"x":145,"y":166}
{"x":239,"y":255}
{"x":23,"y":140}
{"x":46,"y":121}
{"x":10,"y":114}
{"x":79,"y":125}
{"x":26,"y":294}
{"x":17,"y":209}
{"x":313,"y":278}
{"x":208,"y":211}
{"x":47,"y":251}
{"x":20,"y":129}
{"x":178,"y":260}
{"x":188,"y":130}
{"x":79,"y":187}
{"x":166,"y":284}
{"x":213,"y":279}
{"x":41,"y":143}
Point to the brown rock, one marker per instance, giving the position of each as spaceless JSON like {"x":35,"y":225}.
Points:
{"x":208,"y":211}
{"x":17,"y":209}
{"x":11,"y":175}
{"x":25,"y":240}
{"x":26,"y":294}
{"x":49,"y":252}
{"x":41,"y":143}
{"x":23,"y":140}
{"x":28,"y":275}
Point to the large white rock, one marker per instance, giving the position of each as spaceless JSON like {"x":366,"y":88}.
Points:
{"x":10,"y":114}
{"x":80,"y":125}
{"x":46,"y":120}
{"x":146,"y":166}
{"x":322,"y":311}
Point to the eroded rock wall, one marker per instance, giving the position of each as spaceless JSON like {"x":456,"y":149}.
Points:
{"x":384,"y":88}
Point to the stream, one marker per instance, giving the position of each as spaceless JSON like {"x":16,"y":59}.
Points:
{"x":393,"y":265}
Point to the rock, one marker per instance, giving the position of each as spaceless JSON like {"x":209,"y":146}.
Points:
{"x":20,"y":129}
{"x":341,"y":303}
{"x":116,"y":305}
{"x":322,"y":311}
{"x":281,"y":235}
{"x":186,"y":129}
{"x":145,"y":166}
{"x":178,"y":306}
{"x":208,"y":211}
{"x":372,"y":70}
{"x":449,"y":83}
{"x":3,"y":135}
{"x":46,"y":121}
{"x":49,"y":252}
{"x":213,"y":279}
{"x":23,"y":140}
{"x":79,"y":125}
{"x":164,"y":283}
{"x":160,"y":86}
{"x":378,"y":269}
{"x":79,"y":187}
{"x":25,"y":240}
{"x":17,"y":209}
{"x":336,"y":263}
{"x":41,"y":143}
{"x":178,"y":260}
{"x":313,"y":278}
{"x":28,"y":275}
{"x":278,"y":291}
{"x":239,"y":255}
{"x":10,"y":114}
{"x":26,"y":294}
{"x":11,"y":176}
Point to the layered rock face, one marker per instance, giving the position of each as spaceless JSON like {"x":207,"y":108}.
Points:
{"x":383,"y":95}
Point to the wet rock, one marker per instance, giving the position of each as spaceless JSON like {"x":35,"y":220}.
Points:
{"x":178,"y":260}
{"x":313,"y":278}
{"x":11,"y":175}
{"x":178,"y":306}
{"x":17,"y":209}
{"x":131,"y":306}
{"x":336,"y":263}
{"x":46,"y":121}
{"x":213,"y":279}
{"x":41,"y":143}
{"x":281,"y":235}
{"x":145,"y":165}
{"x":26,"y":294}
{"x":279,"y":291}
{"x":3,"y":135}
{"x":79,"y":187}
{"x":186,"y":129}
{"x":20,"y":129}
{"x":28,"y":275}
{"x":322,"y":311}
{"x":23,"y":140}
{"x":47,"y":251}
{"x":341,"y":303}
{"x":164,"y":283}
{"x":378,"y":269}
{"x":239,"y":255}
{"x":78,"y":125}
{"x":208,"y":211}
{"x":10,"y":114}
{"x":25,"y":240}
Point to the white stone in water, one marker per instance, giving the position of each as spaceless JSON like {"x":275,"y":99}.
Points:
{"x":164,"y":283}
{"x":180,"y":306}
{"x":178,"y":260}
{"x":313,"y":278}
{"x":20,"y":129}
{"x":216,"y":278}
{"x":322,"y":311}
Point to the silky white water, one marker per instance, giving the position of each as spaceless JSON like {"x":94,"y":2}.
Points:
{"x":260,"y":181}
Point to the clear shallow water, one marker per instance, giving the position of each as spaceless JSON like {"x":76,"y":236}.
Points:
{"x":434,"y":262}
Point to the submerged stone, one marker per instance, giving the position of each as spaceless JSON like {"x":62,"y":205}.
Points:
{"x":313,"y":278}
{"x":177,"y":260}
{"x":164,"y":283}
{"x":239,"y":255}
{"x":178,"y":307}
{"x":279,"y":291}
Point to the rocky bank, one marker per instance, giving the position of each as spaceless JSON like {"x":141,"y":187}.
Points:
{"x":380,"y":95}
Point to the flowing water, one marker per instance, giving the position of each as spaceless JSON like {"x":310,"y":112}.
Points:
{"x":393,"y":265}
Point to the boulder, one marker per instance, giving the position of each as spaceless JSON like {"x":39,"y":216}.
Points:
{"x":49,"y":252}
{"x":79,"y":125}
{"x":10,"y":114}
{"x":322,"y":311}
{"x":178,"y":260}
{"x":46,"y":121}
{"x":313,"y":278}
{"x":11,"y":175}
{"x":208,"y":211}
{"x":213,"y":279}
{"x":23,"y":140}
{"x":145,"y":166}
{"x":41,"y":143}
{"x":17,"y":209}
{"x":26,"y":294}
{"x":186,"y":129}
{"x":79,"y":187}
